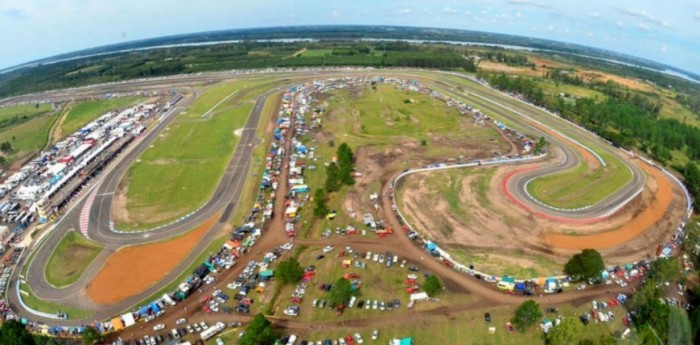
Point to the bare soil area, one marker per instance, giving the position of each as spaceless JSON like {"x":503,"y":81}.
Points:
{"x":133,"y":269}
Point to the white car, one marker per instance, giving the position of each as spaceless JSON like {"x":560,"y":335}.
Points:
{"x":375,"y":304}
{"x":292,"y":311}
{"x":327,"y":249}
{"x":375,"y":334}
{"x":368,"y":255}
{"x":219,"y":341}
{"x":375,"y":258}
{"x":358,"y":337}
{"x":287,"y":246}
{"x":341,"y":341}
{"x":203,"y":325}
{"x":158,"y":327}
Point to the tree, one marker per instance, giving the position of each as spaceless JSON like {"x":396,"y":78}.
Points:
{"x":345,"y":164}
{"x":259,"y":332}
{"x":432,"y":285}
{"x":341,"y":292}
{"x":679,"y":330}
{"x":332,"y":178}
{"x":6,"y":147}
{"x":3,"y":161}
{"x":664,"y":269}
{"x":289,"y":271}
{"x":14,"y":333}
{"x":585,"y":265}
{"x":652,"y":314}
{"x":526,"y":315}
{"x":320,"y":199}
{"x":91,"y":335}
{"x":568,"y":332}
{"x":540,"y":145}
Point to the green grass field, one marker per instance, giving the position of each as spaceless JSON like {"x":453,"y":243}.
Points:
{"x":553,"y":88}
{"x":24,"y":110}
{"x":73,"y":254}
{"x":28,"y":137}
{"x":572,"y":188}
{"x":52,"y":308}
{"x":316,"y":52}
{"x":182,"y":168}
{"x":513,"y":263}
{"x":469,"y":328}
{"x":84,"y":112}
{"x":378,"y":282}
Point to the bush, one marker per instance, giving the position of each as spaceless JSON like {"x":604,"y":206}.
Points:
{"x":526,"y":315}
{"x":289,"y":271}
{"x":432,"y":285}
{"x":585,"y":265}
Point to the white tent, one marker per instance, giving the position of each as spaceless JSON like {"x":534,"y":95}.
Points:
{"x":128,"y":319}
{"x":420,"y":296}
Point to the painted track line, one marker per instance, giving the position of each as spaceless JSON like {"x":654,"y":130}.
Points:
{"x":85,"y":212}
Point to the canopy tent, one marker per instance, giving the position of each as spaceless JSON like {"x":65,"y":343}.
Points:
{"x":117,"y":324}
{"x":128,"y":319}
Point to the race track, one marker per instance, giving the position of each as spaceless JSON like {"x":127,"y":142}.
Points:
{"x":570,"y":140}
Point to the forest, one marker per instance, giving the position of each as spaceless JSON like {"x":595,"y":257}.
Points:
{"x":245,"y":55}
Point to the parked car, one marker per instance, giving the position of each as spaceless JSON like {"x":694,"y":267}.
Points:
{"x":375,"y":334}
{"x":292,"y":311}
{"x":487,"y":317}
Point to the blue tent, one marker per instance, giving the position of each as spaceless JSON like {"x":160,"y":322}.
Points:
{"x":430,"y":246}
{"x":143,"y":311}
{"x":155,"y":307}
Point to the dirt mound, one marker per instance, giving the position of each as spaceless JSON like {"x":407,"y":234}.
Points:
{"x":134,"y":269}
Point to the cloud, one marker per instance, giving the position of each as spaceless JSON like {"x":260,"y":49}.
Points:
{"x":664,"y":49}
{"x":645,"y":16}
{"x":620,"y":24}
{"x":697,"y":15}
{"x":594,"y":14}
{"x":449,"y":10}
{"x":550,"y":27}
{"x":590,"y":34}
{"x":335,"y":14}
{"x":405,"y":11}
{"x":518,"y":15}
{"x":644,"y":27}
{"x":528,"y":3}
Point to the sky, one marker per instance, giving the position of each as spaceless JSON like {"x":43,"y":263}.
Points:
{"x":663,"y":31}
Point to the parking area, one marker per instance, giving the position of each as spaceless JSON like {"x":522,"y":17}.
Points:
{"x":382,"y":284}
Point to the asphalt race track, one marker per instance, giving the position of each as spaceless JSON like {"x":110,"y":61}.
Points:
{"x":233,"y":180}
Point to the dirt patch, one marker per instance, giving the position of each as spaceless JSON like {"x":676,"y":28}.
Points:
{"x":503,"y":68}
{"x":119,"y":212}
{"x":634,"y":84}
{"x":57,"y":133}
{"x":133,"y":269}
